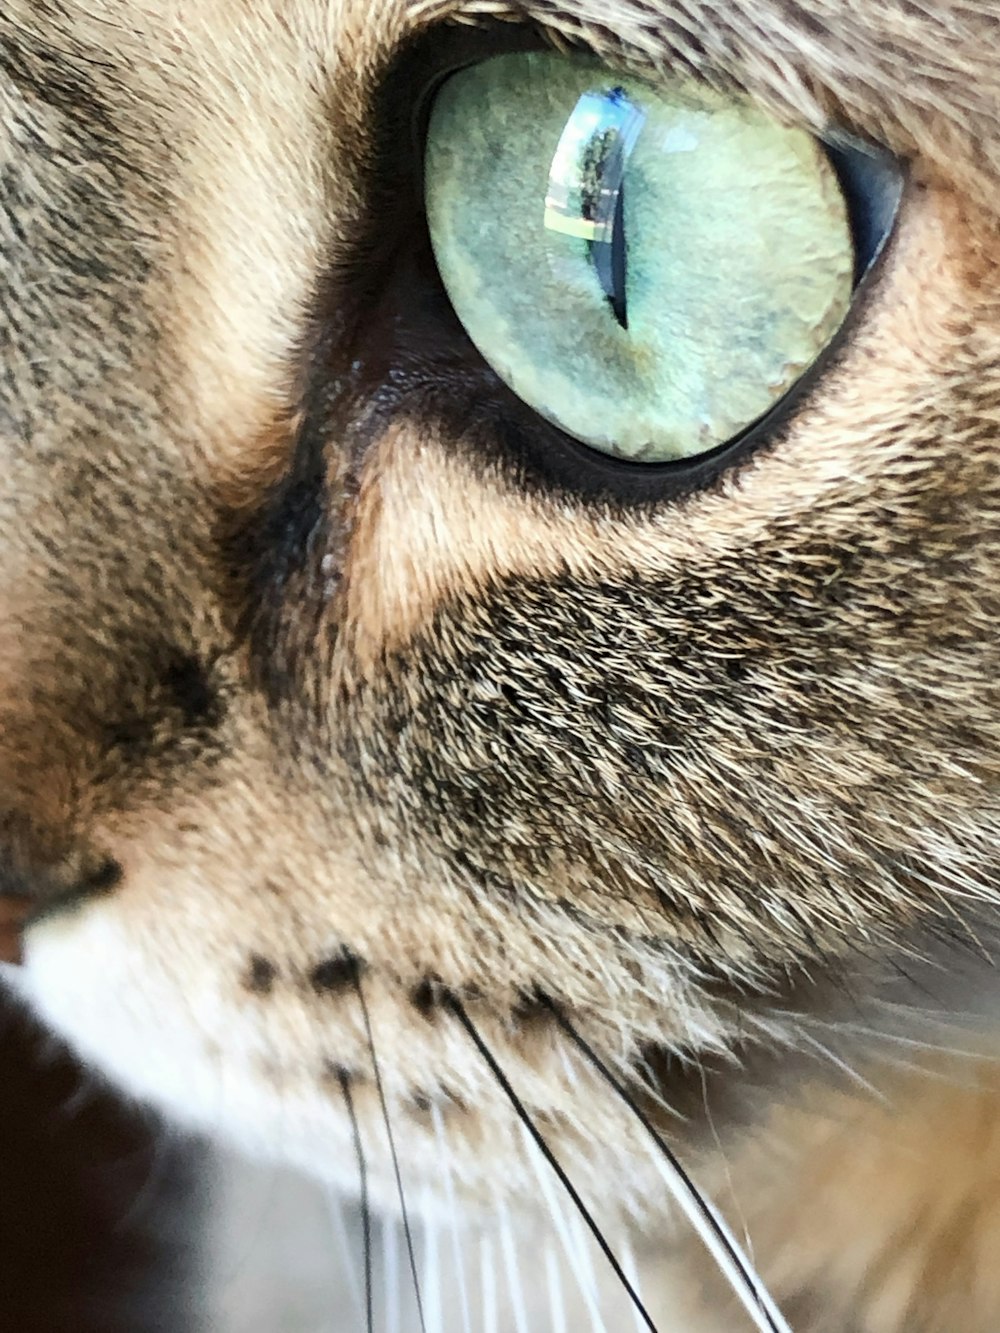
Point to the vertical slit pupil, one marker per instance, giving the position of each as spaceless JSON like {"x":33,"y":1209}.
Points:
{"x":609,"y":259}
{"x":586,"y":194}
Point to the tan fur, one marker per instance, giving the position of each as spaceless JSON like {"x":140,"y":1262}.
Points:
{"x":310,"y":673}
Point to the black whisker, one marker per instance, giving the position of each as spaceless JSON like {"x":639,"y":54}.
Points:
{"x":366,"y":1215}
{"x":522,"y":1114}
{"x":407,"y":1232}
{"x":713,"y":1232}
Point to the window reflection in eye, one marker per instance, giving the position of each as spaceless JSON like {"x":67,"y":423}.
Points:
{"x":586,"y":194}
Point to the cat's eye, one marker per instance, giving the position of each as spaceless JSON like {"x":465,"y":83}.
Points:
{"x":649,"y":268}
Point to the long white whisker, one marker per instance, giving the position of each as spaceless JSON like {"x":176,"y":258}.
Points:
{"x":632,"y":1269}
{"x":431,"y":1286}
{"x":390,"y":1257}
{"x":557,"y":1304}
{"x":875,"y":1035}
{"x":730,"y":1183}
{"x":348,"y":1261}
{"x":585,"y":1280}
{"x":586,"y":1261}
{"x":704,"y":1217}
{"x":933,"y":1075}
{"x":528,"y":1123}
{"x":723,"y":1245}
{"x":488,"y":1284}
{"x":457,"y":1249}
{"x":844,"y":1067}
{"x":515,"y":1287}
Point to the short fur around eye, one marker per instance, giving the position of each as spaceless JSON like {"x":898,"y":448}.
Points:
{"x":385,"y":725}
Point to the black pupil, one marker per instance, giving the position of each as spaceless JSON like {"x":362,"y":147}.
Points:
{"x":586,"y":191}
{"x":602,"y":201}
{"x":609,"y":259}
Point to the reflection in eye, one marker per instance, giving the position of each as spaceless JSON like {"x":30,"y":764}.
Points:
{"x":586,"y":194}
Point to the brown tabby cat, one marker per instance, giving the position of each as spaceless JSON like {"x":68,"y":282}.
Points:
{"x":365,"y":744}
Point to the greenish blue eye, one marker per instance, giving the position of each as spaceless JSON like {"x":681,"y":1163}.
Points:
{"x":651,"y":269}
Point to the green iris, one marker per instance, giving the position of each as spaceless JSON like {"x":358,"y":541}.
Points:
{"x":651,"y":269}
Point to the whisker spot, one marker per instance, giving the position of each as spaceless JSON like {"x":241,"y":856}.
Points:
{"x":336,"y":974}
{"x":260,"y":975}
{"x":428,"y":996}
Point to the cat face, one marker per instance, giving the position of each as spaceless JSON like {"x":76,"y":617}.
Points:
{"x":347,"y":707}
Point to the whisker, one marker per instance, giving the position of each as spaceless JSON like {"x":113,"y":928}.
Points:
{"x":577,"y":1256}
{"x":734,"y":1199}
{"x":390,"y":1254}
{"x":407,"y":1231}
{"x":956,"y":1020}
{"x":557,"y":1305}
{"x":515,"y":1286}
{"x":338,"y":1225}
{"x":873,"y":1039}
{"x":859,"y":1080}
{"x":519,"y":1109}
{"x":458,"y":1251}
{"x":877,"y":1035}
{"x":911,"y":1067}
{"x":432,"y":1270}
{"x":488,"y":1282}
{"x":144,"y":1197}
{"x":344,"y":1079}
{"x":631,"y":1267}
{"x":706,"y":1220}
{"x":585,"y":1261}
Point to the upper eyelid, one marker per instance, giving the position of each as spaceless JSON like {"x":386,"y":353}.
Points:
{"x":810,"y":70}
{"x":857,"y":160}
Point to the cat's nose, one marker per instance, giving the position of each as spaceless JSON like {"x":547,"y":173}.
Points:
{"x":28,"y":895}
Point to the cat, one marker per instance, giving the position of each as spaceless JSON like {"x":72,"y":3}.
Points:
{"x":375,"y":753}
